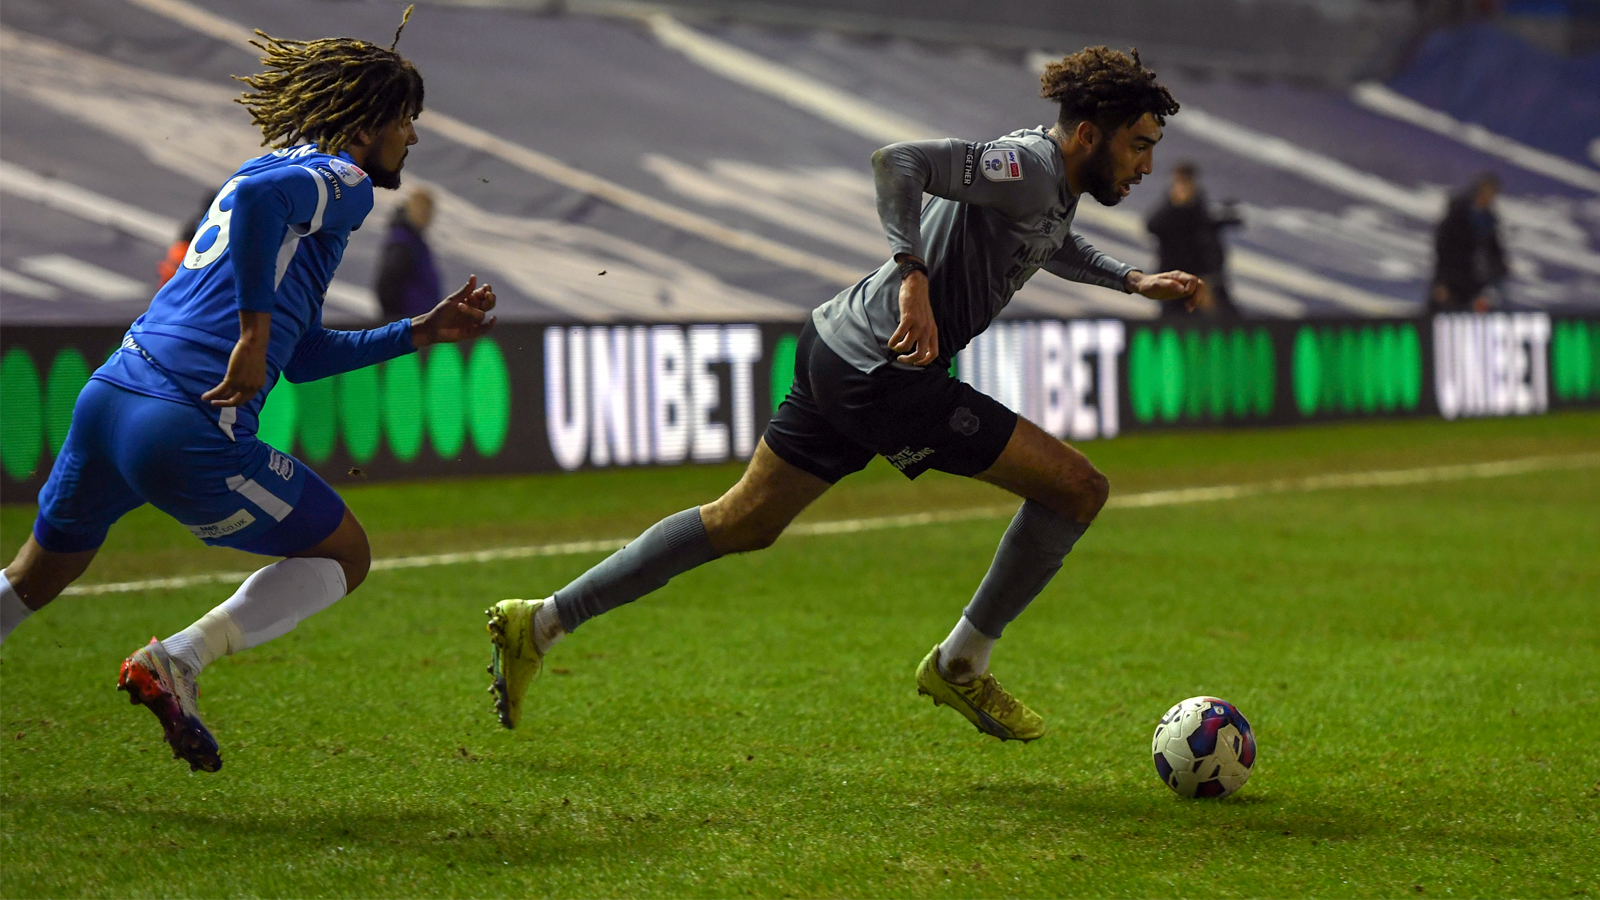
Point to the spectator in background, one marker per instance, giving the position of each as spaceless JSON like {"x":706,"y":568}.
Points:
{"x":168,"y":267}
{"x":408,"y":280}
{"x":1189,"y":238}
{"x":1469,"y":263}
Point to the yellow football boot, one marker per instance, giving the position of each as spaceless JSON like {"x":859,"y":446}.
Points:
{"x":984,"y":702}
{"x":516,"y":661}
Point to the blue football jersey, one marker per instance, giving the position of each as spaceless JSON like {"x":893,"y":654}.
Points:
{"x":270,"y":242}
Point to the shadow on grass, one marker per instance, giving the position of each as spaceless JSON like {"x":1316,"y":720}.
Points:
{"x":529,"y":837}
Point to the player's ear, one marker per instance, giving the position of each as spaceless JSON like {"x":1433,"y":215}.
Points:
{"x":1087,"y":133}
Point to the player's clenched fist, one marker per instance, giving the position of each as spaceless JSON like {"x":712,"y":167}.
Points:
{"x":458,"y":317}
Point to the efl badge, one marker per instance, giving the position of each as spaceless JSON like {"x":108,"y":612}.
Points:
{"x":1002,"y":165}
{"x":349,"y":173}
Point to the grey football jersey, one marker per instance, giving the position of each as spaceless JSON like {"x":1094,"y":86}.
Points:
{"x":1000,"y":212}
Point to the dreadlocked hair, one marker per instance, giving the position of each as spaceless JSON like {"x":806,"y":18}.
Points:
{"x":327,"y":90}
{"x":1107,"y":87}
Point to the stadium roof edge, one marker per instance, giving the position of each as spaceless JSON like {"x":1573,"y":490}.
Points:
{"x":1344,"y":53}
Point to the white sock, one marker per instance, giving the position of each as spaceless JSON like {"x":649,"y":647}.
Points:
{"x":547,"y":627}
{"x":964,"y":655}
{"x":12,"y":609}
{"x":269,"y":604}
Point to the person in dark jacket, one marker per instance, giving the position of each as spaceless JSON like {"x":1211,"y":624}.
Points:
{"x":408,"y":280}
{"x":1469,"y":262}
{"x":1189,"y":238}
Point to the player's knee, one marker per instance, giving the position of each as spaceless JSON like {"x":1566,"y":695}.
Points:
{"x":1088,"y":489}
{"x":748,"y":536}
{"x":356,"y":561}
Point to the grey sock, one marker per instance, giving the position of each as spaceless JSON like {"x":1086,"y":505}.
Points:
{"x":670,"y":547}
{"x":1030,"y":553}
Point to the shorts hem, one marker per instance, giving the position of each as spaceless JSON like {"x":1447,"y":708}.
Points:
{"x":55,"y":540}
{"x":803,"y":463}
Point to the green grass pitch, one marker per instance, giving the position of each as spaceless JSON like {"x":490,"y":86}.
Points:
{"x":1421,"y":665}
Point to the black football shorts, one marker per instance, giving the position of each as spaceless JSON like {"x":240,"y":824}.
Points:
{"x":836,"y":418}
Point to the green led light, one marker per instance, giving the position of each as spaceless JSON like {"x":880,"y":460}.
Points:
{"x":1328,"y":353}
{"x":359,"y":409}
{"x":1589,"y":377}
{"x":783,"y":354}
{"x":1409,"y":367}
{"x":1144,"y":376}
{"x":1194,"y":375}
{"x":1562,"y":364}
{"x":1218,"y":365}
{"x":279,"y":414}
{"x":1594,"y":357}
{"x":68,"y":374}
{"x":489,"y":388}
{"x":1172,"y":375}
{"x":1580,"y":365}
{"x":21,"y":420}
{"x":1266,"y":380}
{"x":1368,"y":369}
{"x":1388,"y":366}
{"x":1242,"y":372}
{"x":446,"y":400}
{"x":318,"y":422}
{"x":1308,"y":380}
{"x":402,"y":406}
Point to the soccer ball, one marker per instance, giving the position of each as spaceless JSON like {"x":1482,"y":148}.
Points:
{"x":1204,"y":748}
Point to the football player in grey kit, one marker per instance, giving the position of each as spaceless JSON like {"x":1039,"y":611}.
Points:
{"x":871,"y":378}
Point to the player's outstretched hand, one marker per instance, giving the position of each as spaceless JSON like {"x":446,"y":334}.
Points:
{"x":461,"y":316}
{"x":247,"y":364}
{"x":917,"y":338}
{"x":1172,"y":285}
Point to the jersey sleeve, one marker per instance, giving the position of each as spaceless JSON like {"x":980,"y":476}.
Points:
{"x":323,"y":352}
{"x":274,"y":205}
{"x":1078,"y":260}
{"x":1002,"y":175}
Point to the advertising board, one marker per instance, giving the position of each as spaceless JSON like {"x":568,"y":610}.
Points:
{"x":544,"y":398}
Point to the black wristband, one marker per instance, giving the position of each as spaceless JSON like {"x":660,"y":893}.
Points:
{"x":912,"y":264}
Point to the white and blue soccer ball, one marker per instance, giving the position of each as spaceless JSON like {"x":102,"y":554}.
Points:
{"x":1204,"y":748}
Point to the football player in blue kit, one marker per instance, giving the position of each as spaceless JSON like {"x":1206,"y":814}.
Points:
{"x":171,"y":418}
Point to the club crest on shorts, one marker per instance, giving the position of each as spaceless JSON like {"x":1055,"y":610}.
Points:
{"x":281,"y":464}
{"x":1001,"y":165}
{"x":964,"y":422}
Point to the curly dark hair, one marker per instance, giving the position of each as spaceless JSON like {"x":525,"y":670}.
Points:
{"x":1107,"y":87}
{"x":327,"y":90}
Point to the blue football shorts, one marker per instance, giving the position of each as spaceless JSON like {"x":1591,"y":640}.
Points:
{"x":126,"y":449}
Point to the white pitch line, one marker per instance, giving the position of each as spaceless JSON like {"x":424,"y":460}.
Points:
{"x":1144,"y":500}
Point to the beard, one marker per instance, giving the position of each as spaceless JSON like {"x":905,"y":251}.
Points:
{"x":1098,"y":177}
{"x":385,"y":178}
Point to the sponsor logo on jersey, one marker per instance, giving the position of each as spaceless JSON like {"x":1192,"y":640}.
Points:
{"x":349,"y":173}
{"x":281,"y":464}
{"x":970,"y":167}
{"x":910,"y":457}
{"x":1001,"y":165}
{"x":223,"y":528}
{"x":964,"y":422}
